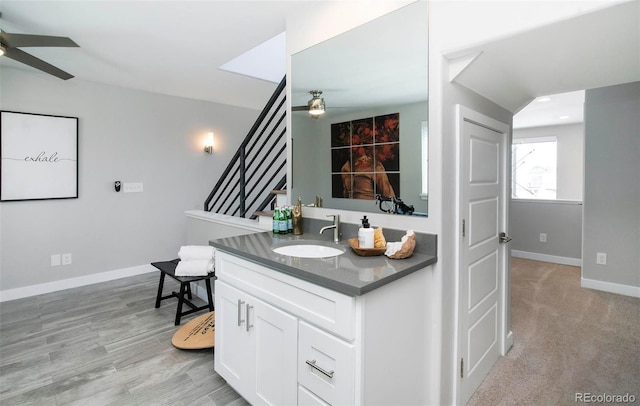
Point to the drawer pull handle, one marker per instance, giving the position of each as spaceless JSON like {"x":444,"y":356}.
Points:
{"x":248,"y":326}
{"x":313,"y":365}
{"x":240,"y":321}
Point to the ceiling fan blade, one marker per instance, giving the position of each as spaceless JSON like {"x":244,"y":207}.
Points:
{"x":27,"y":59}
{"x":28,"y":40}
{"x":300,"y":108}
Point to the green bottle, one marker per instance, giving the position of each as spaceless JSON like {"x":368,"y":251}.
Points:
{"x":282,"y":221}
{"x":289,"y":220}
{"x":276,"y":220}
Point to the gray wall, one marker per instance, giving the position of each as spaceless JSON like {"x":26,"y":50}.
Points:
{"x":561,"y":221}
{"x":124,"y":135}
{"x":612,"y":184}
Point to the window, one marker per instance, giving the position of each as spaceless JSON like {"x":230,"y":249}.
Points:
{"x":534,"y":168}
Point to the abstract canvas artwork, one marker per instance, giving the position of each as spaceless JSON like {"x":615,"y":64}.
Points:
{"x":365,"y":157}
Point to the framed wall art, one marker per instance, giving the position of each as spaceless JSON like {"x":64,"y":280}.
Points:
{"x":365,"y":157}
{"x":39,"y":156}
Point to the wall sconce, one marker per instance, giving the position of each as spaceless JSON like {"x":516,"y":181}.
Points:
{"x":208,"y":146}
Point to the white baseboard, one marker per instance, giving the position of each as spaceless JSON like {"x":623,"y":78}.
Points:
{"x":547,"y":258}
{"x":633,"y":291}
{"x":33,"y":290}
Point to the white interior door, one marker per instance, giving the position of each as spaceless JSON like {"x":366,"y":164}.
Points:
{"x":482,"y":250}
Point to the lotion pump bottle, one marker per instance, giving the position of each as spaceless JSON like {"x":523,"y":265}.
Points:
{"x":365,"y":234}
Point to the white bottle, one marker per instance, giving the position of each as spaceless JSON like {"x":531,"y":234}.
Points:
{"x":365,"y":234}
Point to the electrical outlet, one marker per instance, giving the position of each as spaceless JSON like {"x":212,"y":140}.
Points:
{"x":66,"y":259}
{"x":543,"y":237}
{"x":132,"y":187}
{"x":601,"y":258}
{"x":55,"y":260}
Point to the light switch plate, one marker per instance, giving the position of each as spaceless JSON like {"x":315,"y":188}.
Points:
{"x":132,"y":187}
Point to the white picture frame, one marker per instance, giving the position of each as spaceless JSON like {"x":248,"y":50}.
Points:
{"x":39,"y":157}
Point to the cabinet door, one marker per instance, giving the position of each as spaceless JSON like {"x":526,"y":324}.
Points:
{"x":276,"y":342}
{"x":256,"y":347}
{"x":234,"y":351}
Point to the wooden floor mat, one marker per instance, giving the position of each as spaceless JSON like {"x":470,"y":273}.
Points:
{"x":197,"y":334}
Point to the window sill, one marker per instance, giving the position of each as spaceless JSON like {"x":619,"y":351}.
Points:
{"x":575,"y":202}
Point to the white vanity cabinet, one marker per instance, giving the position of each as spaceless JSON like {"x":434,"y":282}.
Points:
{"x":256,"y":346}
{"x":281,"y":340}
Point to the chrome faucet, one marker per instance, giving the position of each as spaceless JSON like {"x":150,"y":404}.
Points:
{"x":335,"y":226}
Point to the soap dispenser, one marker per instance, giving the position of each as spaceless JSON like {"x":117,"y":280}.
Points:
{"x":365,"y":234}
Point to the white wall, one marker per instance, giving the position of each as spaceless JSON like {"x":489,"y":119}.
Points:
{"x":612,"y":188}
{"x":125,"y":135}
{"x":570,"y":156}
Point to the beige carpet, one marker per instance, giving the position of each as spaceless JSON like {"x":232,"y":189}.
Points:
{"x":567,"y":340}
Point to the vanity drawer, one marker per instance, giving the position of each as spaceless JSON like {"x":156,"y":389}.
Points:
{"x":326,"y":365}
{"x":307,"y":398}
{"x":323,"y":307}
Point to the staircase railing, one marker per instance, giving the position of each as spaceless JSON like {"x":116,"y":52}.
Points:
{"x":258,"y":166}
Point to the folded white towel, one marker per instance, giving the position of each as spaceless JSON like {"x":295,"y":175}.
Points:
{"x":189,"y":252}
{"x":194,"y":267}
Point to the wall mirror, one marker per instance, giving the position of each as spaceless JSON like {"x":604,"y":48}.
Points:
{"x":371,"y":77}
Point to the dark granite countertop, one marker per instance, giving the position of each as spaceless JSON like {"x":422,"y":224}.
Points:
{"x":347,"y":273}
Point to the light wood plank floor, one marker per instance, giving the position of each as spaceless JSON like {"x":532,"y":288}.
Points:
{"x":103,"y":344}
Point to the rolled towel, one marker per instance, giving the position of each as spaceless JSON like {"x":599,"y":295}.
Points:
{"x":194,"y":267}
{"x":189,"y":252}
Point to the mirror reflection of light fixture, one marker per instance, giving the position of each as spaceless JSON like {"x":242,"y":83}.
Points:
{"x":316,"y":104}
{"x":208,"y":146}
{"x":2,"y":50}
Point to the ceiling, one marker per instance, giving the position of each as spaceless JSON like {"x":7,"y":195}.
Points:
{"x":556,"y":109}
{"x":597,"y":49}
{"x":167,"y":47}
{"x":177,"y":48}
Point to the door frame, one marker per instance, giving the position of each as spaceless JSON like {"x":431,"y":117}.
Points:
{"x":463,"y":114}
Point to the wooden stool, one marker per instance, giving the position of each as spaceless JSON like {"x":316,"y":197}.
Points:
{"x":169,"y":268}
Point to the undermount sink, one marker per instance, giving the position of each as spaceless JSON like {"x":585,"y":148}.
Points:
{"x":308,"y":250}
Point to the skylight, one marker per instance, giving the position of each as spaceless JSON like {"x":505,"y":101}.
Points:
{"x":266,"y":61}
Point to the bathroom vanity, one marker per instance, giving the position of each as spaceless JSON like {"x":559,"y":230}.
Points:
{"x":341,"y":330}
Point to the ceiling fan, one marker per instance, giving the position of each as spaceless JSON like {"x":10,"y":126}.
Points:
{"x":9,"y":44}
{"x":315,"y":106}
